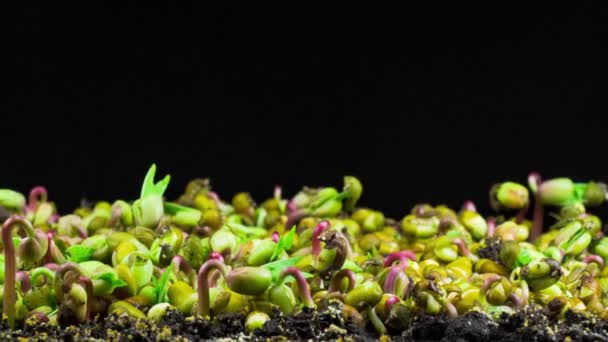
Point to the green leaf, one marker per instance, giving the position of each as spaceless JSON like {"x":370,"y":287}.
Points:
{"x":524,"y":258}
{"x":349,"y":265}
{"x":162,"y":285}
{"x":277,"y":266}
{"x":79,"y":253}
{"x":150,"y":188}
{"x":112,"y":278}
{"x":285,"y":243}
{"x":174,"y":208}
{"x":182,"y":215}
{"x":244,"y":231}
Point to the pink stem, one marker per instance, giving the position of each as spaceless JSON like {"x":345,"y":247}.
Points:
{"x":291,"y":206}
{"x":88,"y":286}
{"x":316,"y":243}
{"x":54,"y":218}
{"x":336,"y":281}
{"x":491,"y":279}
{"x":594,"y":258}
{"x":462,"y":247}
{"x":293,"y":217}
{"x":10,"y":264}
{"x":277,"y":192}
{"x":469,"y":205}
{"x":52,"y":266}
{"x":401,"y":256}
{"x":203,"y":284}
{"x":517,"y":302}
{"x":53,"y":254}
{"x":303,"y":288}
{"x":275,"y":237}
{"x":216,"y":256}
{"x":182,"y":264}
{"x":35,"y":193}
{"x":491,"y":226}
{"x":391,"y":279}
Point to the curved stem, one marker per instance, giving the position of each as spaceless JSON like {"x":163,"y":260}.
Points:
{"x":534,"y":181}
{"x":35,"y":193}
{"x":65,"y":276}
{"x":391,"y":279}
{"x":376,"y":322}
{"x":294,"y":216}
{"x":336,"y":281}
{"x":182,"y":265}
{"x":88,"y":286}
{"x":10,"y":261}
{"x":53,"y":254}
{"x":45,"y":272}
{"x":335,"y":239}
{"x":203,"y":284}
{"x":401,"y":256}
{"x":491,"y":279}
{"x":463,"y":249}
{"x":594,"y":258}
{"x":451,"y":310}
{"x":303,"y":288}
{"x":316,"y":243}
{"x":517,"y":302}
{"x":51,"y":266}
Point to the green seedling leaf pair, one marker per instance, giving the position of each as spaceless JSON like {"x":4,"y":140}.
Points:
{"x":161,"y":285}
{"x":284,"y":244}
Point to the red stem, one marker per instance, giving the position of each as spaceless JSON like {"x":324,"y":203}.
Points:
{"x":491,"y":226}
{"x":401,"y":256}
{"x":336,"y":281}
{"x":10,"y":264}
{"x":203,"y":284}
{"x":35,"y":193}
{"x":303,"y":288}
{"x":316,"y":243}
{"x":537,"y":220}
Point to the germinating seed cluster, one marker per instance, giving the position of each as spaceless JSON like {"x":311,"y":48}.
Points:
{"x":205,"y":256}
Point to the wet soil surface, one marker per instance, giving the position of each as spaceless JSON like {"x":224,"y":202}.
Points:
{"x":326,"y":325}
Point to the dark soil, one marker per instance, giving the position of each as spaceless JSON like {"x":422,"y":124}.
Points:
{"x":491,"y":251}
{"x":326,"y":325}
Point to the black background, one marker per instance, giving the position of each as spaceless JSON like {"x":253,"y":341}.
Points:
{"x":422,"y":104}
